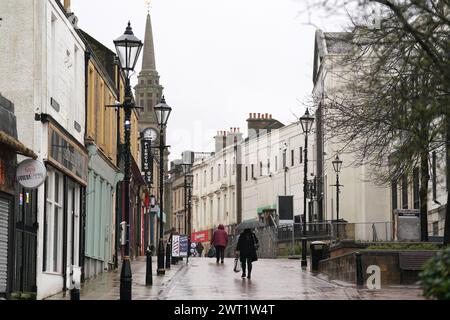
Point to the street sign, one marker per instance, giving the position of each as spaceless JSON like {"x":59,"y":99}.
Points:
{"x":184,"y":246}
{"x":286,"y":209}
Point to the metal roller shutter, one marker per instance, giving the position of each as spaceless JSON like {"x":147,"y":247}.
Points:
{"x":4,"y":216}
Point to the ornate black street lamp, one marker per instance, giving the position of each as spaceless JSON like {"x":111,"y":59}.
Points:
{"x":162,"y":111}
{"x":188,"y":160}
{"x":128,"y":48}
{"x":337,"y":165}
{"x":189,"y":186}
{"x":306,"y":121}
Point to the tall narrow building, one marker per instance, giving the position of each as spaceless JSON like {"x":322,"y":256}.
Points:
{"x":148,"y":94}
{"x":148,"y":90}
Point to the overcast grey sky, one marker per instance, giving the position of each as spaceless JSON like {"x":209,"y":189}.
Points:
{"x":219,"y":60}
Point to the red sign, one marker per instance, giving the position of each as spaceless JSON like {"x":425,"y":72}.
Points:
{"x":201,"y":236}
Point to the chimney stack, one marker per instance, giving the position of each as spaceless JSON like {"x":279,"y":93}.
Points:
{"x":67,"y":5}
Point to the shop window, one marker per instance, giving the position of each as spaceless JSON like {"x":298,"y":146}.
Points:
{"x":54,"y":222}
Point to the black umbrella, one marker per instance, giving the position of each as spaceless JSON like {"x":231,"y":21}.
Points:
{"x":249,"y":224}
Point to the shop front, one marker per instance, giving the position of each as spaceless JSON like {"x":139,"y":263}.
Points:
{"x":64,"y":211}
{"x":17,"y":266}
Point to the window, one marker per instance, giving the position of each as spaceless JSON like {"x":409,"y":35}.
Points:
{"x":204,"y":178}
{"x":292,"y":158}
{"x":100,"y":104}
{"x":225,"y":168}
{"x":435,"y":228}
{"x":211,"y":210}
{"x":233,"y":205}
{"x":234,"y":165}
{"x":284,"y":160}
{"x":196,"y":181}
{"x":301,"y":154}
{"x":225,"y":205}
{"x":246,"y":173}
{"x":405,"y":192}
{"x":212,"y":174}
{"x":218,"y":210}
{"x":276,"y":163}
{"x":149,"y":105}
{"x":260,"y":168}
{"x":268,"y":166}
{"x":53,"y":223}
{"x":394,"y":195}
{"x":433,"y":168}
{"x":253,"y":171}
{"x":218,"y":172}
{"x":416,"y":188}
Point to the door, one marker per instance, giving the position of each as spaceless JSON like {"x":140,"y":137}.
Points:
{"x":5,"y":210}
{"x":73,"y":230}
{"x":25,"y":240}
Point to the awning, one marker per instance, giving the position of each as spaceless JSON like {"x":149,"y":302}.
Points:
{"x":269,"y":207}
{"x":16,"y":145}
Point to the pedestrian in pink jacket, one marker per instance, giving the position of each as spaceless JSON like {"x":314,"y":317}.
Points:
{"x":220,"y":241}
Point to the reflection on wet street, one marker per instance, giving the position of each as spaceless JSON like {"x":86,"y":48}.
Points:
{"x":271,"y":280}
{"x":203,"y":279}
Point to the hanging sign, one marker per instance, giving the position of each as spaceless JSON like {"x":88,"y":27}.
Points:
{"x":31,"y":173}
{"x":147,"y":162}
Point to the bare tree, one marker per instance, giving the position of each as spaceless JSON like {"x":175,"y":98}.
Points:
{"x":393,"y":107}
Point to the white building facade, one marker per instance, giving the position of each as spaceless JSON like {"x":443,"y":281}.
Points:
{"x":214,"y":198}
{"x":361,"y":201}
{"x":273,"y":166}
{"x":43,"y":60}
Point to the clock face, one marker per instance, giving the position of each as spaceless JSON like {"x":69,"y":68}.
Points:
{"x":150,"y":134}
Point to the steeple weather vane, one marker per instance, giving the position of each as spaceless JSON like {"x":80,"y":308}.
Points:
{"x":148,"y":4}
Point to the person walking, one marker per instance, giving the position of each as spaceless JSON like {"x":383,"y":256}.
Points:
{"x":200,"y":249}
{"x":246,"y":251}
{"x":220,"y":241}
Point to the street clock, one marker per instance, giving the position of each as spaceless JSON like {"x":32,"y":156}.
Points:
{"x":150,"y":134}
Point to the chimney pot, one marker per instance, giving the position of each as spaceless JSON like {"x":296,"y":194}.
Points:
{"x":67,"y":5}
{"x":250,"y":116}
{"x":259,"y":115}
{"x":254,"y":115}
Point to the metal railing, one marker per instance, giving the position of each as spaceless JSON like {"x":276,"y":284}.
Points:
{"x":270,"y":237}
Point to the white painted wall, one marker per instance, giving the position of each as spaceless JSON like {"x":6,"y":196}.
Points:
{"x":361,"y":200}
{"x":41,"y":59}
{"x":221,"y":191}
{"x":265,"y":189}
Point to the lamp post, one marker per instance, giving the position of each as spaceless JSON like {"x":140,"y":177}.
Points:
{"x":189,"y":184}
{"x":162,"y":111}
{"x":337,"y":165}
{"x":306,"y":121}
{"x":128,"y":48}
{"x":188,"y":161}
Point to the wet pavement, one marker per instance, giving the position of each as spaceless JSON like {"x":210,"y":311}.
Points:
{"x":203,"y":279}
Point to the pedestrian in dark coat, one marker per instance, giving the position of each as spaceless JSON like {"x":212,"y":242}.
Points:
{"x":220,"y":241}
{"x":246,"y":249}
{"x":200,"y":249}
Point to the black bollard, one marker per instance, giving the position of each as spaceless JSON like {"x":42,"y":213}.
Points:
{"x":168,"y":255}
{"x":148,"y":273}
{"x":75,"y":294}
{"x":359,"y":271}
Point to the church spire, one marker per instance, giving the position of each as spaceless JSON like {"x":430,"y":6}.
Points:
{"x":148,"y":60}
